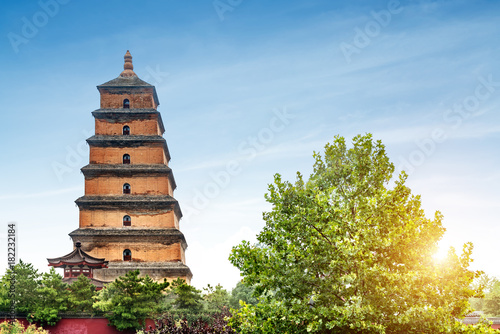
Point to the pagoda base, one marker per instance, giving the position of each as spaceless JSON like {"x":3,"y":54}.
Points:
{"x":156,"y":270}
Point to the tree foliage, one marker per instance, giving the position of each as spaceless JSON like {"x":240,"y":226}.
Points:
{"x":185,"y":302}
{"x":187,"y":297}
{"x":242,"y":293}
{"x":18,"y":328}
{"x":130,"y":299}
{"x":216,"y":298}
{"x":52,"y":299}
{"x":490,"y":302}
{"x":27,"y":282}
{"x":486,"y":284}
{"x":41,"y":298}
{"x":188,"y":308}
{"x":216,"y":325}
{"x":81,"y":295}
{"x":350,"y":250}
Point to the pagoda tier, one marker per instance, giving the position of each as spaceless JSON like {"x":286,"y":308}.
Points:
{"x":155,"y":249}
{"x":108,"y":120}
{"x":144,"y":149}
{"x":142,"y":211}
{"x":120,"y":170}
{"x":128,"y":214}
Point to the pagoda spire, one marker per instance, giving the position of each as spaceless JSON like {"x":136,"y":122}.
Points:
{"x":128,"y":67}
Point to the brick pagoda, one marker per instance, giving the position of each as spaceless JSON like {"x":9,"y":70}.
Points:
{"x":128,"y":214}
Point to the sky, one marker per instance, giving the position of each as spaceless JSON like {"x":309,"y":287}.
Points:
{"x":249,"y":89}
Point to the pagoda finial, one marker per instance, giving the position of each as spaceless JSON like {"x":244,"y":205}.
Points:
{"x":128,"y":67}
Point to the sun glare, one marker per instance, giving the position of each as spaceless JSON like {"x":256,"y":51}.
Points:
{"x":441,"y":252}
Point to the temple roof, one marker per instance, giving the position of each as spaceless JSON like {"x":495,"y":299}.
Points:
{"x":78,"y":257}
{"x":126,"y":82}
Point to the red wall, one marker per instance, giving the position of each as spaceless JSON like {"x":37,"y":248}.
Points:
{"x":83,"y":326}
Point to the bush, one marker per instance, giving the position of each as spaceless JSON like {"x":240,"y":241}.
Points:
{"x":217,"y":324}
{"x":16,"y":327}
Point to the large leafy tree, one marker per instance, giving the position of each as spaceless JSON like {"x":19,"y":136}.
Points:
{"x":130,"y":299}
{"x":350,"y":250}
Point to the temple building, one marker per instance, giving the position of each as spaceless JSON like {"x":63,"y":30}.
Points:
{"x":79,"y":263}
{"x":128,"y":215}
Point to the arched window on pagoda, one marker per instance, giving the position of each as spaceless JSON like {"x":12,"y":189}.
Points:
{"x":127,"y":255}
{"x":126,"y":130}
{"x":127,"y":221}
{"x":126,"y":159}
{"x":126,"y":104}
{"x":126,"y":188}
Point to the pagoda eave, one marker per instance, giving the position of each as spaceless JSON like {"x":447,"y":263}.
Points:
{"x":166,"y":236}
{"x":122,"y":85}
{"x":82,"y":263}
{"x":177,"y":269}
{"x":132,"y":202}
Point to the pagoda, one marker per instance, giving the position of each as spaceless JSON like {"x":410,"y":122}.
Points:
{"x":79,"y":263}
{"x":128,"y":214}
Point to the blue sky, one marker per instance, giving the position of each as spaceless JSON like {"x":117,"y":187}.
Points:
{"x":248,"y":89}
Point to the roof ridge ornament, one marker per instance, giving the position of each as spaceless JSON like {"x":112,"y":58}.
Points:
{"x":128,"y":67}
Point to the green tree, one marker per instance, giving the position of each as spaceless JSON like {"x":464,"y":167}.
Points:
{"x":130,"y":299}
{"x":187,"y":298}
{"x":40,"y":297}
{"x":350,"y":250}
{"x":52,"y":299}
{"x":491,"y":301}
{"x":244,"y":293}
{"x":216,"y":298}
{"x":81,"y":295}
{"x":186,"y":310}
{"x":489,"y":285}
{"x":4,"y":293}
{"x":27,"y":281}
